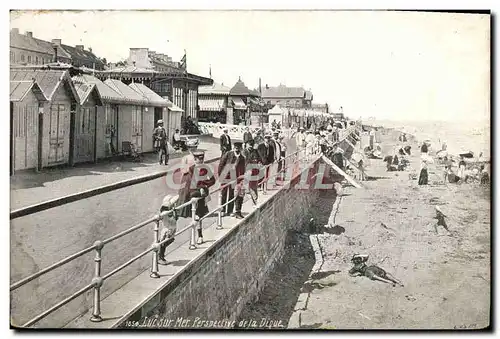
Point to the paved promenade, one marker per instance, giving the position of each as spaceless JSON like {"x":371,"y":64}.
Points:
{"x":29,"y":188}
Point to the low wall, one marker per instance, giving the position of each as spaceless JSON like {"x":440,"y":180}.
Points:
{"x":217,"y":285}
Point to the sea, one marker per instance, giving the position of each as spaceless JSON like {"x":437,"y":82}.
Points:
{"x":460,"y":137}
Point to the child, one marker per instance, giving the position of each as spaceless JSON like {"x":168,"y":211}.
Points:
{"x":169,"y":228}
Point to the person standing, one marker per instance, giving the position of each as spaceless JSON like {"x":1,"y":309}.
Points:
{"x":232,"y":159}
{"x":310,"y":142}
{"x":169,"y":225}
{"x":266,"y":152}
{"x":196,"y":186}
{"x":461,"y":169}
{"x":160,"y":140}
{"x":277,"y":151}
{"x":247,"y":136}
{"x":225,"y":142}
{"x":254,"y":161}
{"x":424,"y":176}
{"x":300,"y":140}
{"x":283,"y":156}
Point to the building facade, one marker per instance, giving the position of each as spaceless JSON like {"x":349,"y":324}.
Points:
{"x":174,"y":83}
{"x":25,"y":49}
{"x":290,"y":97}
{"x":213,"y":102}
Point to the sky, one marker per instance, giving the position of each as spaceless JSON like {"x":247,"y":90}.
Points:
{"x":387,"y":65}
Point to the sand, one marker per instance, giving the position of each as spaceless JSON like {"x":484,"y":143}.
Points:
{"x":446,"y":277}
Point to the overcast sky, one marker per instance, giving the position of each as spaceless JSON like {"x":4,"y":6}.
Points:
{"x":391,"y":65}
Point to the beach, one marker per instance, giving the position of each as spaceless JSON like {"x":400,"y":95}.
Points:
{"x":446,"y":277}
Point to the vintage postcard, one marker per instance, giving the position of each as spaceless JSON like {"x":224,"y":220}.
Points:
{"x":250,"y":170}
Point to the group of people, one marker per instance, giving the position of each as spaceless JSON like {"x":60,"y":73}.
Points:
{"x":463,"y":175}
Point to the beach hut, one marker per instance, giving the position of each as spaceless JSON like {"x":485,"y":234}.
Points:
{"x":26,"y":102}
{"x":84,"y":127}
{"x":158,"y":107}
{"x":54,"y":123}
{"x":276,"y":113}
{"x":130,"y":122}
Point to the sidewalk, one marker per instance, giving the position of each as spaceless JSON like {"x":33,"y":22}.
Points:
{"x":28,"y":188}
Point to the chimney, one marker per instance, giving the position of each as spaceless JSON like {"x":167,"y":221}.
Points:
{"x":90,"y":49}
{"x":55,"y":52}
{"x":29,"y":34}
{"x":56,"y":42}
{"x":15,"y":30}
{"x":79,"y":47}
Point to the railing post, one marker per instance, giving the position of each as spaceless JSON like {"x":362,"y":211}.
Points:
{"x":219,"y":219}
{"x":192,"y":241}
{"x":156,"y":248}
{"x":97,"y":281}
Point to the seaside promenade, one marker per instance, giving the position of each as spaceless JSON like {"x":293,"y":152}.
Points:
{"x":446,"y":278}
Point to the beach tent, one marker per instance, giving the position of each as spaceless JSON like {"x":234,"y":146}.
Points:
{"x":276,"y":113}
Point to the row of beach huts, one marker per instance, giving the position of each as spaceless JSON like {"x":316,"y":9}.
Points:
{"x":61,"y":117}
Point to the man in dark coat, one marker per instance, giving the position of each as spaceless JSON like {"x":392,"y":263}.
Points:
{"x":236,"y":160}
{"x":225,"y":142}
{"x":253,"y":159}
{"x":196,"y":187}
{"x":247,"y":136}
{"x":160,"y":142}
{"x":266,"y":152}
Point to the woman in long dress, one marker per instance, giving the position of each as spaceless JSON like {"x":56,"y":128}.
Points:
{"x":424,"y":175}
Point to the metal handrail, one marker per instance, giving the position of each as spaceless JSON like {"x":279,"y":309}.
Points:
{"x":98,"y":245}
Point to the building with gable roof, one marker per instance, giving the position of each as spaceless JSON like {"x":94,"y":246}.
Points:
{"x":240,"y":98}
{"x":26,"y":103}
{"x":290,"y":97}
{"x":54,"y":125}
{"x":25,"y":49}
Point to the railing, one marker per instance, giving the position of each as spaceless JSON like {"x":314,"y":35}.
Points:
{"x":98,"y":279}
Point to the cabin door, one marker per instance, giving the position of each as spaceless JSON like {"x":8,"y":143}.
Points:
{"x":137,"y":127}
{"x":84,"y":134}
{"x":25,"y":125}
{"x":111,"y":132}
{"x":57,"y":132}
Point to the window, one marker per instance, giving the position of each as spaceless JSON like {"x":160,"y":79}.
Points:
{"x":36,"y":60}
{"x":22,"y":57}
{"x":12,"y":57}
{"x":29,"y":59}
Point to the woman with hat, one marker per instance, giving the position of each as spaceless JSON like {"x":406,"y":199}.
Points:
{"x":253,"y":162}
{"x":160,"y":140}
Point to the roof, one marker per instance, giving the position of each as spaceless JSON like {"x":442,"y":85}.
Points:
{"x":175,"y":108}
{"x":283,"y":91}
{"x":85,"y":89}
{"x":153,"y":98}
{"x":83,"y":56}
{"x":126,"y":92}
{"x":48,"y":80}
{"x":31,"y":44}
{"x":19,"y":89}
{"x":107,"y":93}
{"x":240,"y":89}
{"x":214,"y":89}
{"x":130,"y":69}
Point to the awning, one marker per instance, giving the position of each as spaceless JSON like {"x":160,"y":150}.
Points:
{"x":239,"y":104}
{"x":175,"y":108}
{"x":211,"y":104}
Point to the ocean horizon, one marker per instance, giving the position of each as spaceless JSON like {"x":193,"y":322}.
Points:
{"x":460,"y":136}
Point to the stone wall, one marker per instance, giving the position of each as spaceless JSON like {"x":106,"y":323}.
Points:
{"x":217,"y":285}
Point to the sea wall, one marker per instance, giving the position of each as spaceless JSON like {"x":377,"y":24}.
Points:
{"x":217,"y":285}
